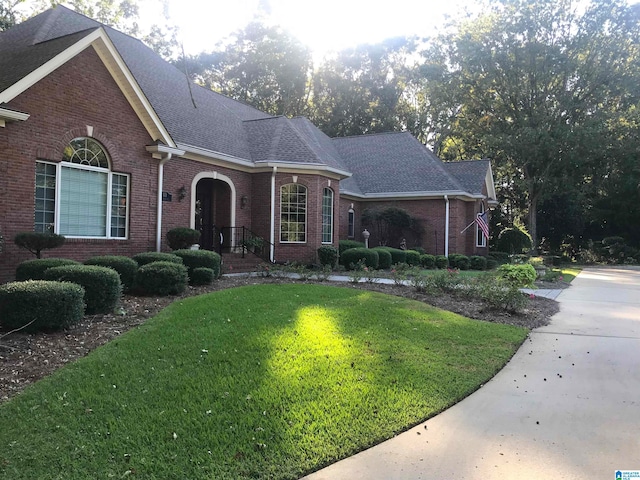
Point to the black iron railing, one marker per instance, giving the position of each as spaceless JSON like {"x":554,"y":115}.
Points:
{"x":244,"y":241}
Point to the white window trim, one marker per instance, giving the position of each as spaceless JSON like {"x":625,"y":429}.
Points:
{"x":479,"y":234}
{"x":330,"y":242}
{"x":59,"y":167}
{"x":306,"y":215}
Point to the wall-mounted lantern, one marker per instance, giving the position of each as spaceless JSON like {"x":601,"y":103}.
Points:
{"x":182,"y":193}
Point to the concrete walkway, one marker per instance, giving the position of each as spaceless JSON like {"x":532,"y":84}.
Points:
{"x":567,"y":406}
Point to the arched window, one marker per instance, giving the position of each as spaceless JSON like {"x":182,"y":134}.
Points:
{"x":80,"y":196}
{"x":293,"y":213}
{"x":327,"y":215}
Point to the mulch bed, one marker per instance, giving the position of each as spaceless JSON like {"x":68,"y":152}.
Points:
{"x":26,"y":358}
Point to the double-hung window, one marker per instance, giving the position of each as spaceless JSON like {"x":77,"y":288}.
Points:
{"x":327,"y":215}
{"x":293,"y":213}
{"x":80,"y":196}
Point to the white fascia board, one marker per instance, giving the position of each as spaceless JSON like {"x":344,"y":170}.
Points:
{"x":305,"y":167}
{"x":215,"y":155}
{"x":161,"y":151}
{"x":411,"y":195}
{"x":11,"y":116}
{"x":491,"y":189}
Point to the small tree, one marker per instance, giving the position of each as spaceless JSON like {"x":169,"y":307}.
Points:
{"x":35,"y":242}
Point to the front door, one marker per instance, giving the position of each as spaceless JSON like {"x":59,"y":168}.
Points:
{"x":213,"y":211}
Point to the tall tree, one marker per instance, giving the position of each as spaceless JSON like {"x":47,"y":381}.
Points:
{"x":9,"y":16}
{"x":120,"y":14}
{"x":537,"y":84}
{"x":259,"y":65}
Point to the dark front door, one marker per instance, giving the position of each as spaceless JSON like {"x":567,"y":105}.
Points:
{"x":213,"y":211}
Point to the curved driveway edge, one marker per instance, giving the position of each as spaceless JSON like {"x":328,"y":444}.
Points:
{"x":567,"y":406}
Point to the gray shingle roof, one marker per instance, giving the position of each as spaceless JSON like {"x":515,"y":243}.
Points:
{"x":393,"y":163}
{"x":471,"y":174}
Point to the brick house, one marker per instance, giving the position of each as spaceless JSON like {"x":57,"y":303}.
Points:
{"x":106,"y":143}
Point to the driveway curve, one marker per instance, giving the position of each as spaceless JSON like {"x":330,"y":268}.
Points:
{"x":567,"y":406}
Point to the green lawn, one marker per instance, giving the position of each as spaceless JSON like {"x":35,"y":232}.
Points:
{"x":266,"y":381}
{"x":568,"y":274}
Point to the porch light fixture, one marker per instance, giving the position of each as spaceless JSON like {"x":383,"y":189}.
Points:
{"x":182,"y":193}
{"x":244,"y":200}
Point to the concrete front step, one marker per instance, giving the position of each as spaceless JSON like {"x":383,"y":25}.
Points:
{"x":234,"y":263}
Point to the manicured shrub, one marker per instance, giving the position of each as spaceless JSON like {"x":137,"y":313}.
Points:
{"x":477,"y":262}
{"x":412,"y":257}
{"x":514,"y":240}
{"x":149,"y":257}
{"x":420,"y":250}
{"x":193,"y":259}
{"x":442,"y":261}
{"x":202,"y":276}
{"x":496,"y":293}
{"x":50,"y":305}
{"x":182,"y":237}
{"x":328,"y":255}
{"x":125,"y":266}
{"x":354,"y":255}
{"x":397,"y":255}
{"x":35,"y":242}
{"x":34,"y":269}
{"x":162,"y":278}
{"x":500,"y":257}
{"x":492,"y":264}
{"x":459,"y":261}
{"x":347,"y":244}
{"x":384,"y":258}
{"x":517,"y":276}
{"x":428,"y":261}
{"x":101,"y":284}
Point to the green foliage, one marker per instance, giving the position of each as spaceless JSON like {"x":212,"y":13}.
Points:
{"x":182,"y":237}
{"x":193,"y":259}
{"x":149,"y":257}
{"x":442,"y":261}
{"x":101,"y":284}
{"x":125,"y":266}
{"x":351,"y":257}
{"x":497,"y":293}
{"x":202,"y":276}
{"x":35,"y":242}
{"x":428,"y":261}
{"x":492,"y":264}
{"x":328,"y":255}
{"x":457,"y":260}
{"x":477,"y":262}
{"x":162,"y":278}
{"x":397,"y":255}
{"x":384,"y":258}
{"x":389,"y":224}
{"x":514,"y":240}
{"x":347,"y":244}
{"x":517,"y":276}
{"x":35,"y":269}
{"x":41,"y":305}
{"x":412,"y":257}
{"x":499,"y":257}
{"x":420,"y":250}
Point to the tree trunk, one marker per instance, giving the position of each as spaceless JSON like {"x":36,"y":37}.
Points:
{"x":533,"y":221}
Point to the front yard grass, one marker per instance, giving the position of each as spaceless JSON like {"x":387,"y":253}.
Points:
{"x":265,"y":381}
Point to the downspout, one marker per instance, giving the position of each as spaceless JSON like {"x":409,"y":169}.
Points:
{"x":272,"y":233}
{"x":159,"y":210}
{"x":446,"y":226}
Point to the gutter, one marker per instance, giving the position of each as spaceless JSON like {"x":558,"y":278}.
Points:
{"x":272,"y":233}
{"x":446,"y":226}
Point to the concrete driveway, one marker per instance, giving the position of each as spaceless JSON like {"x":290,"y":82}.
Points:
{"x":567,"y":406}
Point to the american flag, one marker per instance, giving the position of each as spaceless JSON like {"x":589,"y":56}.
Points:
{"x":481,"y":220}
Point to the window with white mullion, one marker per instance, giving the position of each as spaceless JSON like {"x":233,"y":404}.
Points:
{"x":327,"y":215}
{"x":83,"y":202}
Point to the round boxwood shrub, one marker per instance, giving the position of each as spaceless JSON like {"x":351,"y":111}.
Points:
{"x":442,"y":261}
{"x":34,"y":269}
{"x":328,"y":255}
{"x":459,"y":261}
{"x":397,"y":255}
{"x":412,"y":257}
{"x":428,"y":261}
{"x":149,"y":257}
{"x":344,"y":245}
{"x":384,"y":258}
{"x":182,"y":237}
{"x":202,"y":276}
{"x":162,"y":278}
{"x":193,"y":259}
{"x":492,"y":264}
{"x":101,"y":284}
{"x":125,"y":266}
{"x":354,"y":255}
{"x":477,"y":262}
{"x":50,"y":305}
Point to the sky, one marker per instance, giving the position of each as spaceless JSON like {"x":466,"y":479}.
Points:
{"x":324,"y":26}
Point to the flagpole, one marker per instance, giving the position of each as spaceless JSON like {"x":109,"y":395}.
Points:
{"x":467,"y":227}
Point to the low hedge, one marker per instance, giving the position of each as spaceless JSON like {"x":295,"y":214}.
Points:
{"x":442,"y":261}
{"x":344,"y":245}
{"x":101,"y":284}
{"x":49,"y":305}
{"x":352,"y":256}
{"x":149,"y":257}
{"x":428,"y":261}
{"x":384,"y":258}
{"x":328,"y":255}
{"x":459,"y":261}
{"x":35,"y":269}
{"x":193,"y":259}
{"x":162,"y":278}
{"x":412,"y":257}
{"x":202,"y":276}
{"x":125,"y":266}
{"x":477,"y":262}
{"x":397,"y":255}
